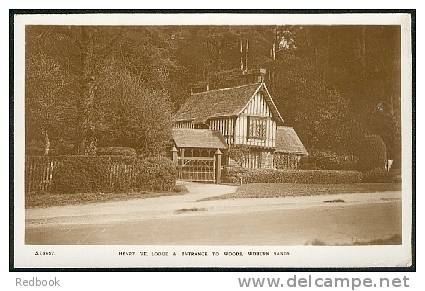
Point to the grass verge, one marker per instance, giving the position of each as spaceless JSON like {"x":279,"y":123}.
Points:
{"x":44,"y":200}
{"x":272,"y":190}
{"x":390,"y":240}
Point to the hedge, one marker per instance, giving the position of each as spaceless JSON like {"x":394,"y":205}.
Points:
{"x":82,"y":174}
{"x":328,"y":160}
{"x":155,"y":174}
{"x":377,"y":175}
{"x":234,"y":174}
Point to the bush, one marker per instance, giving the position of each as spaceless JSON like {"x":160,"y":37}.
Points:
{"x":80,"y":174}
{"x":234,"y":175}
{"x":115,"y":151}
{"x":327,"y":160}
{"x":377,"y":175}
{"x":372,"y":153}
{"x":155,"y":174}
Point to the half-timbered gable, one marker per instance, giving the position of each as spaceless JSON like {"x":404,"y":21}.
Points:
{"x":244,"y":115}
{"x":256,"y":124}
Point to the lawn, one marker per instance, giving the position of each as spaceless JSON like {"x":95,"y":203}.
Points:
{"x":269,"y":190}
{"x":43,"y":200}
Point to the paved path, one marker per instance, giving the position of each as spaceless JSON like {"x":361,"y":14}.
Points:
{"x":119,"y":211}
{"x":186,"y":220}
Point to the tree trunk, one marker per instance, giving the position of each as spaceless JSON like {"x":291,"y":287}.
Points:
{"x":326,"y":70}
{"x":46,"y":143}
{"x":363,"y":51}
{"x":87,"y":59}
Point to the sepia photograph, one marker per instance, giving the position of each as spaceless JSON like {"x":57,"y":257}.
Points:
{"x":241,"y":141}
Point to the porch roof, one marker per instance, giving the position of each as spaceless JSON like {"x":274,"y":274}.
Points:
{"x":198,"y":138}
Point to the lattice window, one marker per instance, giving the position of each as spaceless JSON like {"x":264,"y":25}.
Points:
{"x":257,"y":128}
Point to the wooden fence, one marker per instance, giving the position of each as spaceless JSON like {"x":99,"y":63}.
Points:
{"x":39,"y":172}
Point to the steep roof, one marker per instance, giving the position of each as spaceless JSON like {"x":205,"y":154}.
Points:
{"x":198,"y":138}
{"x":222,"y":102}
{"x":287,"y":141}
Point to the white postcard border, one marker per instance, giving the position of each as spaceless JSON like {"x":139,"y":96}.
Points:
{"x":106,"y":256}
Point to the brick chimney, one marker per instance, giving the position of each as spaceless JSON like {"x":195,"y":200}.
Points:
{"x":255,"y":76}
{"x":199,"y":87}
{"x":233,"y":78}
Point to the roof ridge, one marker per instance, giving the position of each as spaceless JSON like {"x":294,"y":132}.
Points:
{"x":228,"y":88}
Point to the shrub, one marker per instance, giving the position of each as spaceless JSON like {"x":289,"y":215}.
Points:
{"x":80,"y":174}
{"x":327,"y":160}
{"x":377,"y":175}
{"x":234,"y":175}
{"x":115,"y":151}
{"x":155,"y":174}
{"x":372,"y":153}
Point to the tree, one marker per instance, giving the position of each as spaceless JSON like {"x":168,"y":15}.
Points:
{"x":48,"y":117}
{"x":127,"y":113}
{"x":53,"y":100}
{"x":383,"y":123}
{"x":321,"y":79}
{"x":372,"y":153}
{"x":70,"y":90}
{"x":318,"y":113}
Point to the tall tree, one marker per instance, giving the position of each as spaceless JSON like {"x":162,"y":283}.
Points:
{"x":127,"y":113}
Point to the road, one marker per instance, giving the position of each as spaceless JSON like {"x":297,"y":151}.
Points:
{"x":184,"y":220}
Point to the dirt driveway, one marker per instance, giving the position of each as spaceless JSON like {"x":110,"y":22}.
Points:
{"x":186,"y":220}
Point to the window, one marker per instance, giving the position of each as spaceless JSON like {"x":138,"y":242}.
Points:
{"x":257,"y":127}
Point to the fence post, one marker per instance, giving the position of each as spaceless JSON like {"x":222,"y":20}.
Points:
{"x":218,"y":159}
{"x":174,"y":154}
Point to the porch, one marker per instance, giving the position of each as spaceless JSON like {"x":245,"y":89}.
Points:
{"x":197,"y":154}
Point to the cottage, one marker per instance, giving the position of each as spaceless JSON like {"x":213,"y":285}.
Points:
{"x":244,"y":115}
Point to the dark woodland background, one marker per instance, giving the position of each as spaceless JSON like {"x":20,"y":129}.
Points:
{"x":119,"y":86}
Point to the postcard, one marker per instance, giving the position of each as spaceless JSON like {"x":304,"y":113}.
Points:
{"x":213,"y":140}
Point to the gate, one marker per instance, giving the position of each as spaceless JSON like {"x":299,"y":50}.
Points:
{"x":196,"y":169}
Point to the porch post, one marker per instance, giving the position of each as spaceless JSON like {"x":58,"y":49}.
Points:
{"x":218,"y":166}
{"x":174,"y":155}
